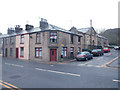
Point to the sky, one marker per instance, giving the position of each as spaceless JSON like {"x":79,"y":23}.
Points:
{"x":62,"y":13}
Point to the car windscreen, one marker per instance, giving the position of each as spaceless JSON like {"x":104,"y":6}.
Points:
{"x":94,"y":50}
{"x":105,"y":48}
{"x":81,"y":53}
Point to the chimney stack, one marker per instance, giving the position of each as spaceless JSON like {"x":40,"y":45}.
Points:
{"x":28,"y":27}
{"x":10,"y":31}
{"x":43,"y":23}
{"x":90,"y":22}
{"x":18,"y":29}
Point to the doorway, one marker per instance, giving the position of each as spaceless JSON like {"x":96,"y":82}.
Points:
{"x":17,"y":52}
{"x":53,"y":54}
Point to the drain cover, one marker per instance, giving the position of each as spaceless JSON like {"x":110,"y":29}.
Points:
{"x":15,"y":76}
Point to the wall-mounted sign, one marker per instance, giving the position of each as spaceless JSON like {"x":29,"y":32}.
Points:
{"x":62,"y":44}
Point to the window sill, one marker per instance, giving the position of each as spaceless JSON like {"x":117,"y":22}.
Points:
{"x":22,"y":56}
{"x":37,"y":43}
{"x":64,"y":57}
{"x":38,"y":57}
{"x":11,"y":43}
{"x":53,"y":42}
{"x":21,"y":43}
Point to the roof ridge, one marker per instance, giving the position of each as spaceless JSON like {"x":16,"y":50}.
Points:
{"x":57,"y":27}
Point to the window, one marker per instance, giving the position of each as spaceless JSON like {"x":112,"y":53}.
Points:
{"x":64,"y":51}
{"x":22,"y":52}
{"x":38,"y":52}
{"x":11,"y":52}
{"x":72,"y":50}
{"x":22,"y":39}
{"x":38,"y":38}
{"x":79,"y":40}
{"x":6,"y":41}
{"x":79,"y":49}
{"x":53,"y":37}
{"x":11,"y":40}
{"x":87,"y":40}
{"x":93,"y":42}
{"x":71,"y":38}
{"x":52,"y":52}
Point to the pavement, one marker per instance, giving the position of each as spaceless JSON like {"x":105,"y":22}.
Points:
{"x":72,"y":74}
{"x":45,"y":62}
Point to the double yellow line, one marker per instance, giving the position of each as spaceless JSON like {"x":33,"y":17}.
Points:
{"x":106,"y":64}
{"x":9,"y":86}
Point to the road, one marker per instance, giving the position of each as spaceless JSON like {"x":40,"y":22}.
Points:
{"x":99,"y":72}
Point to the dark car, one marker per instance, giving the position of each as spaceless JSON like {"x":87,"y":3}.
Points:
{"x":97,"y":52}
{"x":88,"y":50}
{"x":84,"y":56}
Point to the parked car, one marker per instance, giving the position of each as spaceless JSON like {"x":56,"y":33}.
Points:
{"x":106,"y":49}
{"x":117,"y":48}
{"x":84,"y":56}
{"x":88,"y":50}
{"x":97,"y":52}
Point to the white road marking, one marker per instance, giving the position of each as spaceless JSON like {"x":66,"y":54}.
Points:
{"x":58,"y":72}
{"x":81,"y":64}
{"x":52,"y":65}
{"x":14,"y":65}
{"x":98,"y":66}
{"x":90,"y":65}
{"x":116,"y":80}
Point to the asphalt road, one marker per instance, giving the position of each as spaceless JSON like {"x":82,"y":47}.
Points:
{"x":83,"y":74}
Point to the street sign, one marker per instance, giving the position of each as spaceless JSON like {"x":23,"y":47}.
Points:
{"x":62,"y":44}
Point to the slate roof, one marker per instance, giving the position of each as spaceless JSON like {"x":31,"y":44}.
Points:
{"x":38,"y":29}
{"x":101,"y":37}
{"x":85,"y":30}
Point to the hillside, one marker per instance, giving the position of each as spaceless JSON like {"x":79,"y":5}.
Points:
{"x":113,"y":36}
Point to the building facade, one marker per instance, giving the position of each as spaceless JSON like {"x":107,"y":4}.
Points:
{"x":90,"y":39}
{"x":45,"y":43}
{"x":49,"y":42}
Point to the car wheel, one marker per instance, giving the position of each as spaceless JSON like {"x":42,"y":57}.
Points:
{"x":86,"y":59}
{"x":77,"y":59}
{"x":91,"y":57}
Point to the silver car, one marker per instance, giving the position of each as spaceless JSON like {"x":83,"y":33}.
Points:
{"x":84,"y":56}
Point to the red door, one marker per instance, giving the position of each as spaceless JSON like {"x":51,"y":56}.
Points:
{"x":17,"y":52}
{"x":53,"y":54}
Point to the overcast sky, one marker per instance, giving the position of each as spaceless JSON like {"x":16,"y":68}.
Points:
{"x":62,"y":13}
